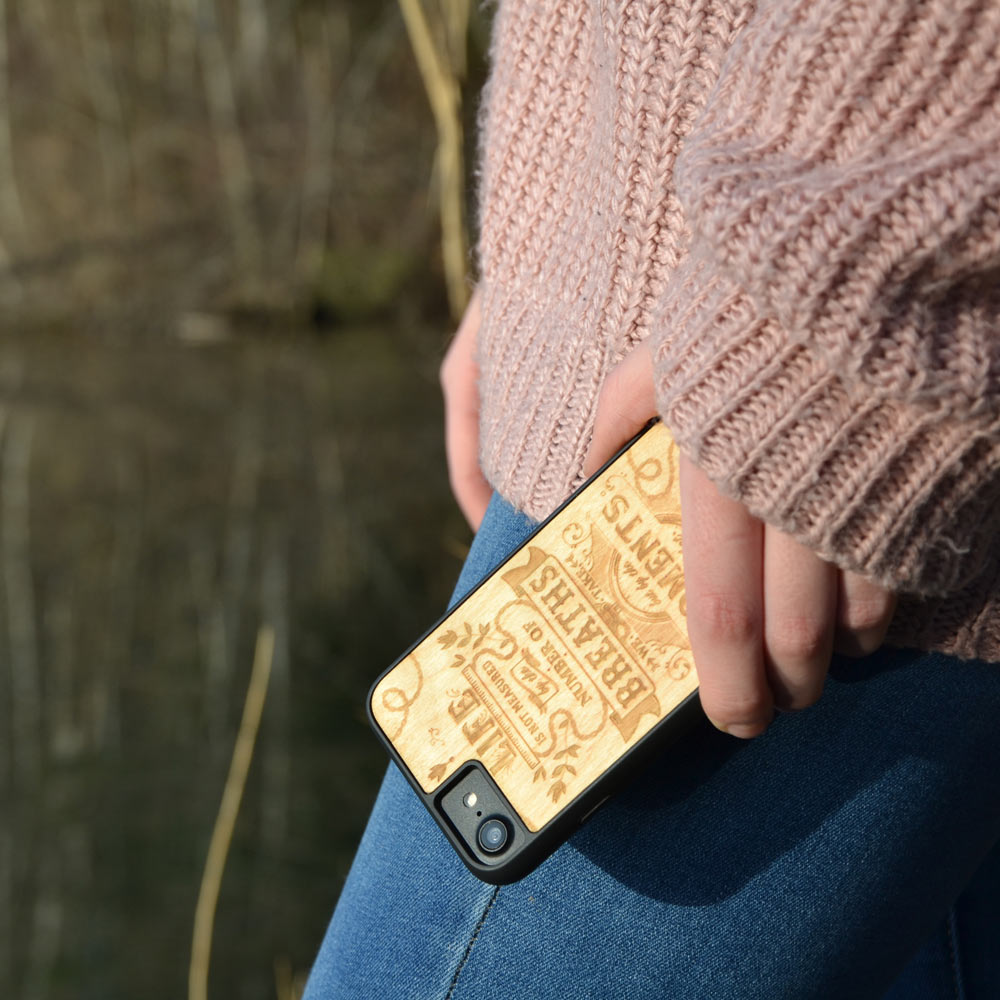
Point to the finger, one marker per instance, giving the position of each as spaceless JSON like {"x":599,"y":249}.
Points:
{"x":864,"y":613}
{"x":625,"y":405}
{"x":459,"y":385}
{"x":461,"y":436}
{"x":800,"y":606}
{"x":472,"y":491}
{"x":722,"y":546}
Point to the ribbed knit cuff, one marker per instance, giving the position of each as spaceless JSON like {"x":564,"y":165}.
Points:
{"x":965,"y":623}
{"x":882,"y":488}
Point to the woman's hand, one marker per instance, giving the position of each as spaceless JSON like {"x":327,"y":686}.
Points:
{"x":459,"y":378}
{"x":764,"y":613}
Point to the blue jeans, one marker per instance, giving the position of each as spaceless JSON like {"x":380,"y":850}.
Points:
{"x":849,"y":852}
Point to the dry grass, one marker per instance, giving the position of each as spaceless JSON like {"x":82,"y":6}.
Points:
{"x":441,"y":57}
{"x":225,"y":821}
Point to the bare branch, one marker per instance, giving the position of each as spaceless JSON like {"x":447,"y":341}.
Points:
{"x":99,"y":67}
{"x":10,"y":191}
{"x":317,"y":63}
{"x":234,"y":165}
{"x":46,"y":926}
{"x":15,"y":533}
{"x":66,"y":735}
{"x":211,"y":636}
{"x":182,"y":42}
{"x":7,"y":904}
{"x":252,"y":44}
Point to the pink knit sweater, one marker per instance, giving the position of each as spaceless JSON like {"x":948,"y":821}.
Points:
{"x":799,"y":202}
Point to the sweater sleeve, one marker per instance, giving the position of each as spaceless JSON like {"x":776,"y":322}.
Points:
{"x":829,"y":351}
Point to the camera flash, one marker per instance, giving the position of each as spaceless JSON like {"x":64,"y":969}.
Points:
{"x":470,"y":799}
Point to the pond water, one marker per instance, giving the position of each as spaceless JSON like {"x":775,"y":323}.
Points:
{"x":159,"y":503}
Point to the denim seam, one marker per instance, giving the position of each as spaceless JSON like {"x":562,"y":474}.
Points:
{"x":956,"y":968}
{"x":472,"y":941}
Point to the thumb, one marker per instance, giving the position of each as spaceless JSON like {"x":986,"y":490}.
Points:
{"x":626,"y":403}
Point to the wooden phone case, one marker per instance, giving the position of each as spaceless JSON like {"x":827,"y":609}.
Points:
{"x":558,"y":675}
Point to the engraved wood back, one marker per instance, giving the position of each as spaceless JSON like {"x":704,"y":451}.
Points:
{"x":566,"y":657}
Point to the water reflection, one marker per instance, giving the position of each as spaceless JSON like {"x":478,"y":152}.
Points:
{"x":158,"y":503}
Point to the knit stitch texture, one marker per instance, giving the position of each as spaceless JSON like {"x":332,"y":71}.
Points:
{"x":799,"y":203}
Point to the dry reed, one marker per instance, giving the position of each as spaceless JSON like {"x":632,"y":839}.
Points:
{"x":441,"y":71}
{"x":225,"y":822}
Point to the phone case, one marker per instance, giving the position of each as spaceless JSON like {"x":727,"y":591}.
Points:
{"x":519,"y":712}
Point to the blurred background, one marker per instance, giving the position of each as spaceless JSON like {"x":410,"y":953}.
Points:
{"x":233,"y":243}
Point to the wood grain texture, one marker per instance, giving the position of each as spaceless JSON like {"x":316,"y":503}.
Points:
{"x":566,"y":657}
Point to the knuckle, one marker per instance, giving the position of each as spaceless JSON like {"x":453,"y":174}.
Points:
{"x":865,"y":615}
{"x":458,"y":480}
{"x":446,"y":371}
{"x":613,"y":383}
{"x":464,"y":480}
{"x":723,"y":617}
{"x":798,"y":639}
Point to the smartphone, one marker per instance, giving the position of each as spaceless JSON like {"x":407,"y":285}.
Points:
{"x":520,"y":712}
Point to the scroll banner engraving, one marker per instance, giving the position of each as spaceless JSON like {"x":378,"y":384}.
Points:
{"x":566,"y":657}
{"x":549,"y":590}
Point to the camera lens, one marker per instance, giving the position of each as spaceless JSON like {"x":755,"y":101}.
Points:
{"x":493,"y":835}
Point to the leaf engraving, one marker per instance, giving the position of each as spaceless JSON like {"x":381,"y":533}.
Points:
{"x":484,"y":631}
